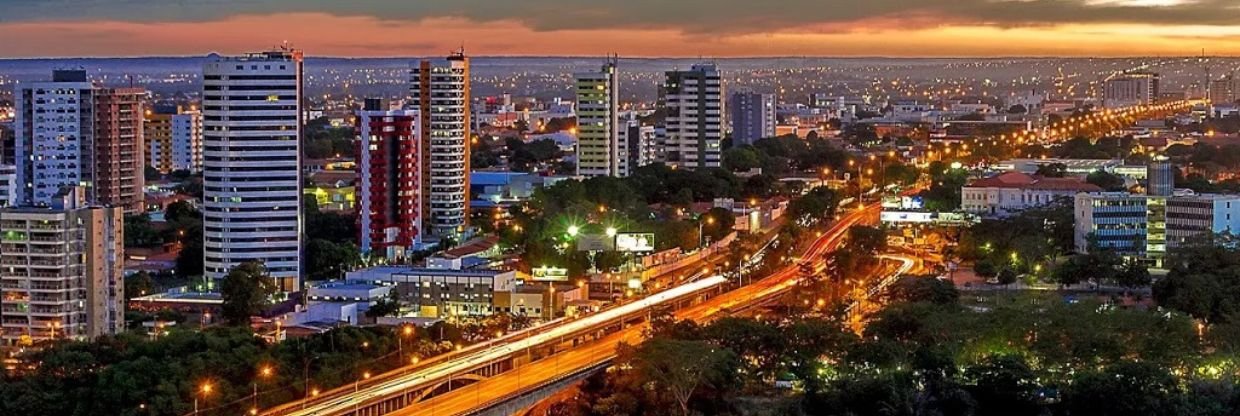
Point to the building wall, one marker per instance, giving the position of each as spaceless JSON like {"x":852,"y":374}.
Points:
{"x":439,"y":92}
{"x":598,"y":141}
{"x":694,"y":123}
{"x":71,"y":132}
{"x":158,"y":135}
{"x":753,"y":116}
{"x":1003,"y":201}
{"x":186,"y":141}
{"x":116,"y":175}
{"x":1194,"y":216}
{"x":62,"y":276}
{"x":390,"y":202}
{"x":1114,"y":220}
{"x":251,"y":112}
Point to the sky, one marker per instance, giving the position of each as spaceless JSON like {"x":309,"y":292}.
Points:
{"x":647,"y":28}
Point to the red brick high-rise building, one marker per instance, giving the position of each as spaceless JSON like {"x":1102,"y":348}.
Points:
{"x":389,"y":185}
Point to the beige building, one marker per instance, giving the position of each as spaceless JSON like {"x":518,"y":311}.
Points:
{"x":61,"y":271}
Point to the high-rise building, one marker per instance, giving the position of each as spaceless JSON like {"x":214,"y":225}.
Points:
{"x":158,"y":135}
{"x":1112,"y":221}
{"x":174,"y":139}
{"x":251,"y":121}
{"x":694,"y":123}
{"x":439,"y":93}
{"x":1132,"y":88}
{"x":63,"y":271}
{"x":1224,"y":90}
{"x":638,"y":143}
{"x":72,"y":132}
{"x":186,"y":141}
{"x":388,"y":182}
{"x":753,"y":116}
{"x":598,"y":144}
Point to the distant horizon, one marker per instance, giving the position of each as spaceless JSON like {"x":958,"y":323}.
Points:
{"x":924,"y":29}
{"x":650,"y":57}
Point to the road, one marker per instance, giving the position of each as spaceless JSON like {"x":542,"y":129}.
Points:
{"x":508,"y":384}
{"x":432,"y":374}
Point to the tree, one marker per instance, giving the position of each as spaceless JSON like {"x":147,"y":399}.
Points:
{"x":385,"y":307}
{"x":681,"y":367}
{"x":327,"y":260}
{"x":181,"y":211}
{"x":189,"y":260}
{"x":138,"y":284}
{"x":1106,"y":180}
{"x":1052,"y":170}
{"x":1003,"y":385}
{"x":139,"y":232}
{"x":247,"y":290}
{"x":741,"y":159}
{"x":719,"y":223}
{"x":1201,"y":281}
{"x":1127,"y":388}
{"x":924,"y":289}
{"x":868,"y":240}
{"x":1132,"y":275}
{"x":1017,"y":109}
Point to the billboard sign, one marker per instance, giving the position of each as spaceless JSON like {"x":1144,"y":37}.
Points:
{"x":595,"y":242}
{"x":635,"y":242}
{"x":545,"y":273}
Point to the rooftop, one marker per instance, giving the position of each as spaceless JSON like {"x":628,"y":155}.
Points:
{"x":1018,"y":180}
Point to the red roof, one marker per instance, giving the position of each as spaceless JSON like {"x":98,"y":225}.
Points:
{"x":1018,"y":180}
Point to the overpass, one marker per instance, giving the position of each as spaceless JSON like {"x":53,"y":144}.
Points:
{"x":498,"y":377}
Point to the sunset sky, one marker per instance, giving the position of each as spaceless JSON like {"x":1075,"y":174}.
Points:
{"x":718,"y":28}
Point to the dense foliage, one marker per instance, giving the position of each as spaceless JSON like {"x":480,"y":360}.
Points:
{"x":927,"y":354}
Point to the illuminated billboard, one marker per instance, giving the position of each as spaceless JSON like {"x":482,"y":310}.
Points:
{"x":545,"y":273}
{"x":635,"y":242}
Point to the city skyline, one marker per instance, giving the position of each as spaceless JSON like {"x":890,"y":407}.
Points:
{"x":562,"y":27}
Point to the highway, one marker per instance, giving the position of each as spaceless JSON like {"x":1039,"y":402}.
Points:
{"x":435,"y":373}
{"x":507,"y":384}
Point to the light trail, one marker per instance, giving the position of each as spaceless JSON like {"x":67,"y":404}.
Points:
{"x":441,"y":371}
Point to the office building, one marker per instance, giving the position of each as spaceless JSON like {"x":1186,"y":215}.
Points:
{"x":1111,"y":220}
{"x":693,"y":100}
{"x":62,"y":271}
{"x":251,"y":121}
{"x":1129,"y":89}
{"x":72,"y":132}
{"x":439,"y":93}
{"x":1012,"y":192}
{"x":753,"y":116}
{"x":157,"y":131}
{"x":598,"y":124}
{"x":1191,"y":216}
{"x":186,"y":141}
{"x":388,"y":180}
{"x":440,"y":293}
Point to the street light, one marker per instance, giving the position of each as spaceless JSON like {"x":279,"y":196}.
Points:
{"x":206,"y":390}
{"x":573,"y":230}
{"x":611,"y":231}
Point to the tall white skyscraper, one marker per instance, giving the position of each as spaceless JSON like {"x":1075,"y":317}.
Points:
{"x":251,"y":120}
{"x":598,"y":145}
{"x":694,"y":124}
{"x":439,"y":92}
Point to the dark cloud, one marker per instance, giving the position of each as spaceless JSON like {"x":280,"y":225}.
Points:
{"x":690,"y":16}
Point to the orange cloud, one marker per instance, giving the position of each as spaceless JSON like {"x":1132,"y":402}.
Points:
{"x":331,"y":35}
